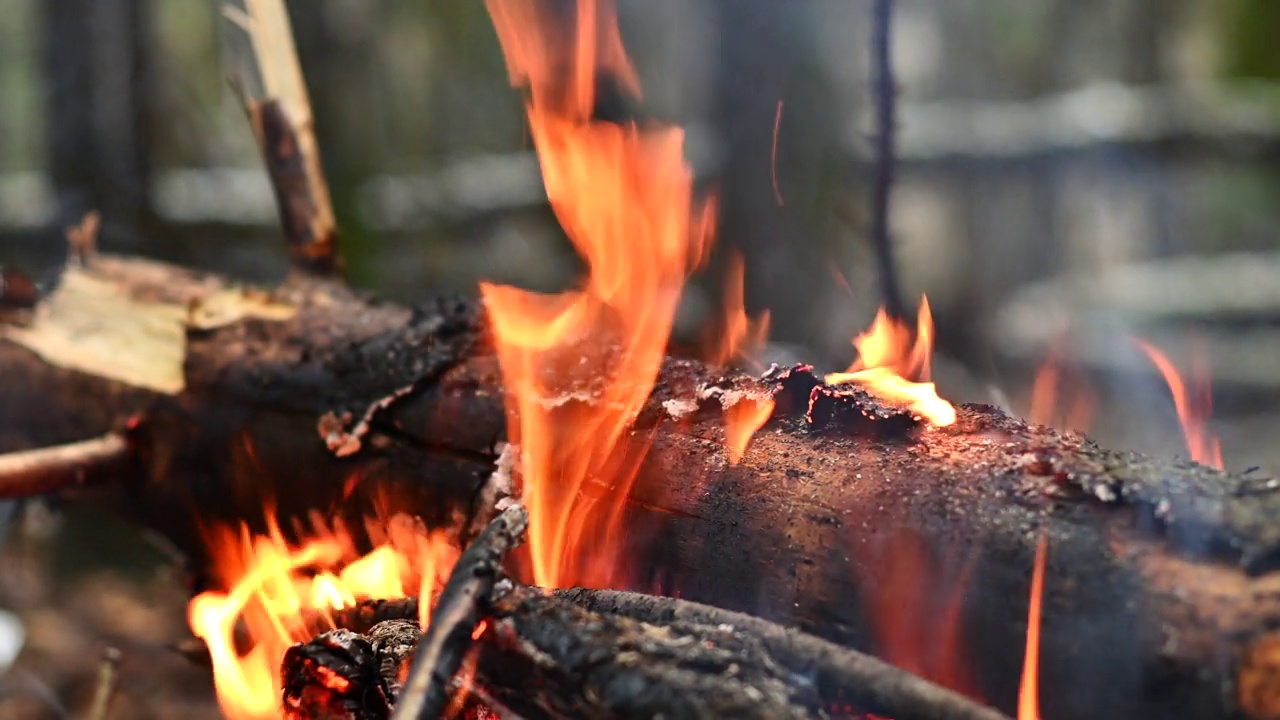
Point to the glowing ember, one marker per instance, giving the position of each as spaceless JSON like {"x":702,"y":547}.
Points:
{"x":1194,"y":404}
{"x":281,"y":593}
{"x":1029,"y":691}
{"x":578,"y":367}
{"x":895,"y":368}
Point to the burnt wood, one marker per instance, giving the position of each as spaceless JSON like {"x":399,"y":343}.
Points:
{"x":1162,"y":597}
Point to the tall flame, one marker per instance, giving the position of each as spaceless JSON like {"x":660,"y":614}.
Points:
{"x":280,"y":593}
{"x":1193,"y":402}
{"x":895,"y":367}
{"x":1029,"y":689}
{"x":579,"y":366}
{"x":737,"y":335}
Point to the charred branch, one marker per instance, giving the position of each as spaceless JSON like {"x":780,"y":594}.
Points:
{"x":590,"y":654}
{"x":463,"y":603}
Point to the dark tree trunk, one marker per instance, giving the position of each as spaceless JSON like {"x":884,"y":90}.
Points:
{"x":96,"y":57}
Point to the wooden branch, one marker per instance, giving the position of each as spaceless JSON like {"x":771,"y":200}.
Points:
{"x":283,"y":126}
{"x":1161,"y":594}
{"x":27,"y":473}
{"x":462,"y":604}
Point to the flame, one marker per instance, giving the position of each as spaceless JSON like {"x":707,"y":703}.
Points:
{"x":281,"y":593}
{"x":918,"y":622}
{"x":895,"y":368}
{"x":1029,"y":690}
{"x":1193,"y":402}
{"x":624,"y":196}
{"x":741,"y":421}
{"x":1053,"y":381}
{"x":739,"y":336}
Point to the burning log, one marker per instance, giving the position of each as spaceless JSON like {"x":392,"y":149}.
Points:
{"x":1160,"y":590}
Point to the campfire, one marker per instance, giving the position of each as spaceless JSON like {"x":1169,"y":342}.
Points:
{"x":525,"y":507}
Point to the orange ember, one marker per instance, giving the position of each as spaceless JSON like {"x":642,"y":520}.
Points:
{"x":579,"y":366}
{"x":281,"y":593}
{"x":894,"y":366}
{"x":1029,"y":690}
{"x":1193,"y":402}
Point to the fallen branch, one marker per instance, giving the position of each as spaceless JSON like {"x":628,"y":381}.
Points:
{"x":28,"y":473}
{"x":462,"y":604}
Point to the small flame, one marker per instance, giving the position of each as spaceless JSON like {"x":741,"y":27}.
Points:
{"x":579,"y":366}
{"x":741,"y":421}
{"x":739,"y":336}
{"x":917,"y":619}
{"x":1193,"y":402}
{"x":1029,"y":690}
{"x":1055,"y":386}
{"x":282,"y":593}
{"x":895,"y":368}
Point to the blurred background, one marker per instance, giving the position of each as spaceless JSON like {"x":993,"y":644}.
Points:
{"x":1072,"y":174}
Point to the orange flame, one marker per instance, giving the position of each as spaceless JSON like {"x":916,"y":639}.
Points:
{"x":917,"y":620}
{"x":741,"y":421}
{"x":739,"y":335}
{"x":1029,"y":690}
{"x":1193,"y":402}
{"x":280,"y":593}
{"x":623,"y":195}
{"x":895,"y":368}
{"x":1054,"y":383}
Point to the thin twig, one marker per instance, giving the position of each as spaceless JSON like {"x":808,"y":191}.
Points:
{"x":886,"y":95}
{"x":866,"y":682}
{"x":460,"y":608}
{"x":107,"y":676}
{"x":28,"y":473}
{"x":283,"y":125}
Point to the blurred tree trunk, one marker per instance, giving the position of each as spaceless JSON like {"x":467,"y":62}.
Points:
{"x":768,"y":55}
{"x":96,"y":61}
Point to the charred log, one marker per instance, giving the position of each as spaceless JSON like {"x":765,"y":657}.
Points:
{"x":462,"y":605}
{"x":584,"y":654}
{"x":1161,"y":586}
